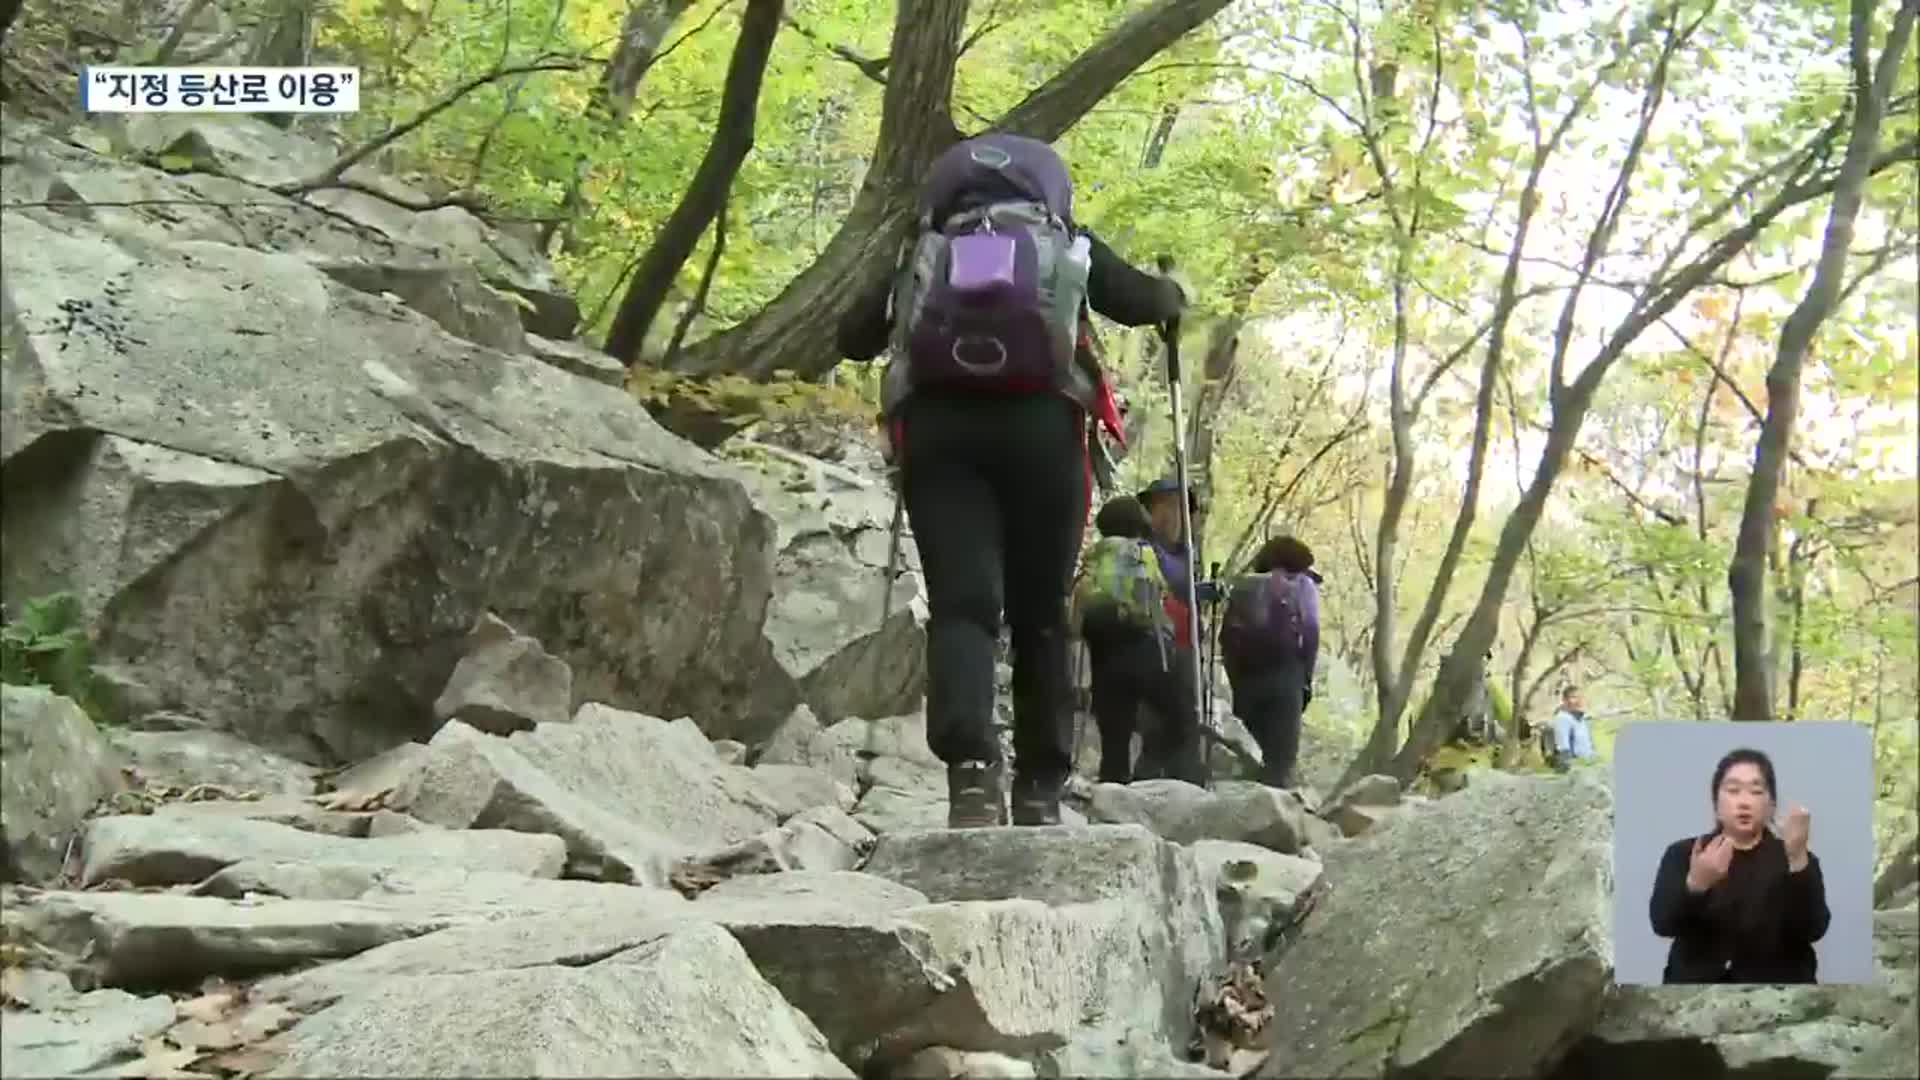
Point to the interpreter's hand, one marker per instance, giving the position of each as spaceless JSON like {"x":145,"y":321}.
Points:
{"x":1794,"y":833}
{"x":1708,"y":865}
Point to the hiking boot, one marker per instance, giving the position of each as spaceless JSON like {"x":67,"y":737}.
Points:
{"x":1036,"y":802}
{"x":973,"y":796}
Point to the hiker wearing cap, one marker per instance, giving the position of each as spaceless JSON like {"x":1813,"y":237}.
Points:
{"x":1270,"y":641}
{"x":1176,"y":751}
{"x":1120,"y":610}
{"x":987,"y":395}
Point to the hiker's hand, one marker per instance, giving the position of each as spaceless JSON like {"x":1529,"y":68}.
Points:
{"x":1707,"y":866}
{"x":1794,"y":833}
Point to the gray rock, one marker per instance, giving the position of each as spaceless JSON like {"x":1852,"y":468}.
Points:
{"x":1183,"y":813}
{"x":293,"y":811}
{"x":392,"y":823}
{"x":1358,"y":819}
{"x":137,"y":939}
{"x":180,"y":849}
{"x":1141,"y":931}
{"x":730,"y":751}
{"x":946,"y":1063}
{"x":396,"y":771}
{"x":824,"y":626}
{"x":687,"y":1004}
{"x":183,"y":759}
{"x":578,"y":359}
{"x":1817,"y":1030}
{"x":505,"y":683}
{"x":452,"y":296}
{"x":58,"y":767}
{"x":66,"y":1033}
{"x":1258,"y":890}
{"x":858,"y":753}
{"x":819,"y":839}
{"x":1899,"y":874}
{"x":1373,"y":790}
{"x":801,"y":787}
{"x":561,"y":937}
{"x":289,"y":880}
{"x":631,"y":795}
{"x":1406,"y":965}
{"x":335,"y":473}
{"x":886,"y":809}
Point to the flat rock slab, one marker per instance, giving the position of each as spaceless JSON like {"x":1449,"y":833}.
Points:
{"x":1239,"y":810}
{"x":141,"y":939}
{"x":1409,"y":964}
{"x":687,"y":1004}
{"x":179,"y":849}
{"x":570,"y":937}
{"x":183,"y":759}
{"x":66,"y":1033}
{"x":294,"y":811}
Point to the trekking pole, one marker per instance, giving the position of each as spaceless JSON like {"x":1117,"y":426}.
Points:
{"x":1170,"y":336}
{"x":1210,"y":662}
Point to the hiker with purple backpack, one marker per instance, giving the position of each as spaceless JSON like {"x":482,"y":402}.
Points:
{"x":1270,"y":640}
{"x":993,"y":403}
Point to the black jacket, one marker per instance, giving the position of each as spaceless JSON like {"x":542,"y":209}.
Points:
{"x":1757,"y":926}
{"x":1115,"y":289}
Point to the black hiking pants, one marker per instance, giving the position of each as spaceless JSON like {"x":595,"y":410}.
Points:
{"x":1270,"y":701}
{"x":996,"y":490}
{"x":1131,"y":669}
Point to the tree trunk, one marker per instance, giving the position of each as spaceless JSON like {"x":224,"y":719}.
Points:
{"x":1746,"y":575}
{"x":9,"y":11}
{"x":795,"y":331}
{"x":707,"y":192}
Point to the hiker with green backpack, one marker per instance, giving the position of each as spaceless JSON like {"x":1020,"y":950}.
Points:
{"x":993,"y":403}
{"x":1120,"y":610}
{"x":1270,"y":640}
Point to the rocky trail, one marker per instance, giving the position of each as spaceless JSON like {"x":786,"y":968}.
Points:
{"x":459,"y":720}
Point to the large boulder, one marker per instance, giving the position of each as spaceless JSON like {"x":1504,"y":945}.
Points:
{"x":688,"y":1003}
{"x":1109,"y":928}
{"x":1821,"y":1030}
{"x":58,"y":767}
{"x":298,"y":470}
{"x":1470,"y":939}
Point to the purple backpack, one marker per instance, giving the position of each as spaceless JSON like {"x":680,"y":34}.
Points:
{"x":991,"y":296}
{"x":1265,"y":618}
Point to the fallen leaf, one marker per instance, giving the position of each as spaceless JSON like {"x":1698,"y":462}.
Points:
{"x":246,"y":1061}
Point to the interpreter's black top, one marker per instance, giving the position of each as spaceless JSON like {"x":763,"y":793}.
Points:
{"x":1115,"y":289}
{"x":1758,"y":925}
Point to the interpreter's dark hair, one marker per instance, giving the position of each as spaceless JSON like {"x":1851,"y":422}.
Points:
{"x":1568,"y":688}
{"x":1744,"y":756}
{"x":1124,"y":516}
{"x":1284,"y":553}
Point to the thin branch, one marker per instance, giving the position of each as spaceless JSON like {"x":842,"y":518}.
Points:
{"x":874,"y":68}
{"x":400,"y":131}
{"x":699,"y":305}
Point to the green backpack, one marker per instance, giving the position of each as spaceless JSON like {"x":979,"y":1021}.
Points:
{"x":1121,"y":578}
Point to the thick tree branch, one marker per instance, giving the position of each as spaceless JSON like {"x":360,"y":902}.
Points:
{"x":707,"y":192}
{"x":1061,"y":101}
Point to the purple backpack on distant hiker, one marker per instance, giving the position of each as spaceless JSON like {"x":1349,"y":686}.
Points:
{"x":1266,"y":618}
{"x":991,"y":296}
